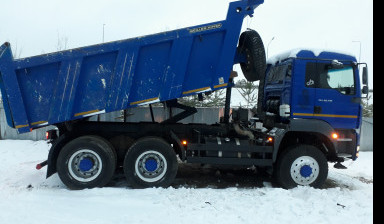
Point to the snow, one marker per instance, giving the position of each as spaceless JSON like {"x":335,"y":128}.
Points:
{"x":27,"y":197}
{"x":293,"y":53}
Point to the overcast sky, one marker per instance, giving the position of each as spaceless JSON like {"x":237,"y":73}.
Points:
{"x":34,"y":27}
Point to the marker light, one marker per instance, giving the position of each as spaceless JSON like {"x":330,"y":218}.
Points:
{"x":270,"y":139}
{"x":335,"y":136}
{"x":38,"y":166}
{"x":51,"y":134}
{"x":184,"y":142}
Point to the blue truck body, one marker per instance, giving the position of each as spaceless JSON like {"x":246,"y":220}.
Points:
{"x":308,"y":114}
{"x":72,"y":84}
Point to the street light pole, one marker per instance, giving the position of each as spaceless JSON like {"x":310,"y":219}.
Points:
{"x":357,"y":41}
{"x":103,"y":32}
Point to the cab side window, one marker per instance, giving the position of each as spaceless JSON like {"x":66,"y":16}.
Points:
{"x":342,"y":80}
{"x":321,"y":75}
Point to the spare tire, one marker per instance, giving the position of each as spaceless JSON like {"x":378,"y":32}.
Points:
{"x":252,"y":47}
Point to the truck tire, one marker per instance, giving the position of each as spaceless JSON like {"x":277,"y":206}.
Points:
{"x":86,"y":162}
{"x":301,"y":165}
{"x":251,"y":45}
{"x":150,"y":162}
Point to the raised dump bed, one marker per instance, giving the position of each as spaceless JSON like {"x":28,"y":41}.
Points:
{"x":72,"y":84}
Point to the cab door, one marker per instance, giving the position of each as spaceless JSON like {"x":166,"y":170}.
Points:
{"x":337,"y":99}
{"x":303,"y":88}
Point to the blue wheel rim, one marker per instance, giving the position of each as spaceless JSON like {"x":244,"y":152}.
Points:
{"x":86,"y":164}
{"x":151,"y":165}
{"x":306,"y":171}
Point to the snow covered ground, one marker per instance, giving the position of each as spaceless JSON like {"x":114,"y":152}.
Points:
{"x":222,"y":196}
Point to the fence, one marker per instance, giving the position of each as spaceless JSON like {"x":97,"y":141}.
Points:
{"x":366,"y":140}
{"x":204,"y":115}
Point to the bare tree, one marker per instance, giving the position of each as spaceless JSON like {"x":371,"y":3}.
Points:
{"x":62,"y":42}
{"x":16,"y":51}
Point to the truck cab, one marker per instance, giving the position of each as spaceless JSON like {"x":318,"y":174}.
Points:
{"x":320,"y":88}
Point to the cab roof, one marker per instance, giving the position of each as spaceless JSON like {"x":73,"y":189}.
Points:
{"x":326,"y":54}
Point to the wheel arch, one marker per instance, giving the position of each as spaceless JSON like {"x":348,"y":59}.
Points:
{"x":56,"y":147}
{"x":310,"y":138}
{"x":307,"y":131}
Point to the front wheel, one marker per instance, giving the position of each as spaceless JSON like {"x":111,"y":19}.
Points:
{"x":301,"y":165}
{"x":150,"y":162}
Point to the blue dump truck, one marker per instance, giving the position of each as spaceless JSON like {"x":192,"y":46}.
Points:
{"x":308,"y":112}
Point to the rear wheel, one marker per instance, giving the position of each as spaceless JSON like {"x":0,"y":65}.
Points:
{"x":301,"y":165}
{"x":86,"y":162}
{"x":150,"y":162}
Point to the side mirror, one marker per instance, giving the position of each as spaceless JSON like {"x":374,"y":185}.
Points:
{"x":365,"y":76}
{"x":335,"y":64}
{"x":365,"y":90}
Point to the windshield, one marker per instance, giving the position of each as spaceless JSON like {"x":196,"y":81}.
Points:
{"x":277,"y":74}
